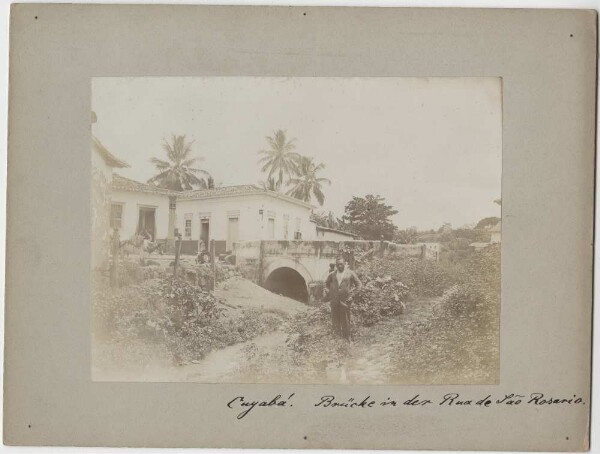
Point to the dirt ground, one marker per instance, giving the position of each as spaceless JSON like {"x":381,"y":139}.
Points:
{"x":241,"y":293}
{"x":368,"y":360}
{"x":368,"y":356}
{"x":235,"y":295}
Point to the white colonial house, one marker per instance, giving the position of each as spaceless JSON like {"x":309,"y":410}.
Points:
{"x":103,"y":163}
{"x":239,"y":213}
{"x":137,"y":207}
{"x":224,"y":214}
{"x":329,"y":234}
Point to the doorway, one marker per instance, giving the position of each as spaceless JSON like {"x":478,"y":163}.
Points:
{"x":147,"y":222}
{"x":204,"y":233}
{"x":233,"y":232}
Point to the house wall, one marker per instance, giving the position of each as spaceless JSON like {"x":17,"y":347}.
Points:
{"x":101,"y":196}
{"x":496,"y":237}
{"x":132,"y":201}
{"x":253,"y":225}
{"x":332,"y":236}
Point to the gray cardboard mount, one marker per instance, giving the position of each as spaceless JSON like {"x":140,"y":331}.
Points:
{"x":547,"y":61}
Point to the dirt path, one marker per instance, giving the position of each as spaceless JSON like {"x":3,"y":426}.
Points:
{"x":221,"y":366}
{"x":369,"y":354}
{"x":241,"y":293}
{"x":372,"y":352}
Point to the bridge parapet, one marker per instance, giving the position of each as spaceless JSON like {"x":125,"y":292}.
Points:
{"x":258,"y":260}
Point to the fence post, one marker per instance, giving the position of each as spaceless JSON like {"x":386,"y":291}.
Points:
{"x":177,"y":251}
{"x":212,"y":263}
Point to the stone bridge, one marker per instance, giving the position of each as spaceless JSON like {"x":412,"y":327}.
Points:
{"x":298,"y":268}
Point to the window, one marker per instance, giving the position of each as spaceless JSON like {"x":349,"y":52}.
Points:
{"x":116,"y":215}
{"x":187,"y":232}
{"x":271,"y":230}
{"x":286,"y":226}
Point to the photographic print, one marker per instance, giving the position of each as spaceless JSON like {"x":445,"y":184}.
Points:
{"x":296,"y":230}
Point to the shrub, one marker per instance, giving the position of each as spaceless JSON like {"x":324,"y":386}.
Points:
{"x":424,"y":278}
{"x":477,"y":293}
{"x":169,"y":315}
{"x":129,"y":273}
{"x":311,"y":339}
{"x":111,"y":307}
{"x":379,"y":297}
{"x":459,"y":342}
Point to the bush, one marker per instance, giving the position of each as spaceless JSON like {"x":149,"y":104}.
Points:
{"x":379,"y":298}
{"x":477,"y":293}
{"x":460,"y":342}
{"x":424,"y":278}
{"x":170,"y":315}
{"x":129,"y":273}
{"x":311,"y":341}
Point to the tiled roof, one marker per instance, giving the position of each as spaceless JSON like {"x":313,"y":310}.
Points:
{"x":126,"y":184}
{"x":239,"y":190}
{"x":342,"y":232}
{"x":110,"y":159}
{"x":242,"y":189}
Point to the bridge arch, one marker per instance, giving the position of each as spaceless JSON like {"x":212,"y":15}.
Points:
{"x":288,"y":277}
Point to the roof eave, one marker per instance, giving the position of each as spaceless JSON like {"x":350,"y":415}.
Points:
{"x":146,"y":191}
{"x":110,"y":159}
{"x":273,"y":194}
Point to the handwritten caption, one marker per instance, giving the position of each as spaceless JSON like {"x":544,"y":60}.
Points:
{"x":245,"y":406}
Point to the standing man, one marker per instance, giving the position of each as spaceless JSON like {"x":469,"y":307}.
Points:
{"x":338,"y":285}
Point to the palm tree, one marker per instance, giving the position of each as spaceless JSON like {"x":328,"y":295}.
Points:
{"x":307,"y":183}
{"x":280,"y":158}
{"x":269,"y":184}
{"x":179,"y":173}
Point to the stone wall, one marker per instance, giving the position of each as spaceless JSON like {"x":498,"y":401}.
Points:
{"x":311,"y":259}
{"x":248,"y":259}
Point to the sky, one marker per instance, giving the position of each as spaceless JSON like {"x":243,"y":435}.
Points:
{"x":432,"y":147}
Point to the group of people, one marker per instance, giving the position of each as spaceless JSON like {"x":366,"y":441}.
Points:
{"x":338,"y":284}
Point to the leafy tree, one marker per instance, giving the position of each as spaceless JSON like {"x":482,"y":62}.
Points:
{"x":326,"y":220}
{"x":280,"y":158}
{"x":487,"y":222}
{"x":319,"y":218}
{"x":407,"y":236}
{"x":270,"y":184}
{"x":179,"y":173}
{"x":369,"y":217}
{"x":210,"y":183}
{"x":447,"y":227}
{"x":306,"y":182}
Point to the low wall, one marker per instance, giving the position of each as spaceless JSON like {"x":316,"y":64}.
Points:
{"x":248,"y":259}
{"x":311,"y":259}
{"x":426,"y":251}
